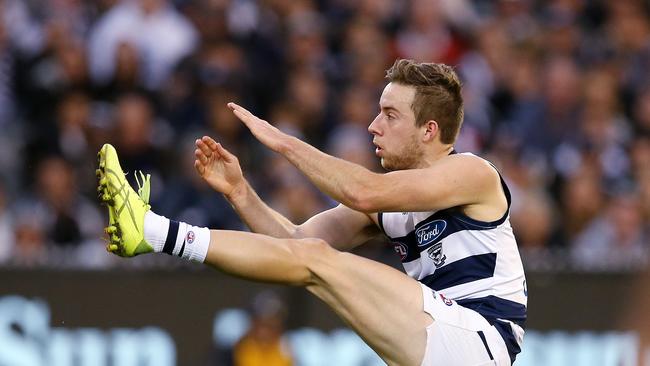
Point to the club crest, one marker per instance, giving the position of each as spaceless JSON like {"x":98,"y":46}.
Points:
{"x":435,"y":253}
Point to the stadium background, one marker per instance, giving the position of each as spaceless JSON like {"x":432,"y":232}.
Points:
{"x":557,"y":95}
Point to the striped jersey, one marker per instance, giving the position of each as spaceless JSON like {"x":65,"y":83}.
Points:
{"x":476,"y":263}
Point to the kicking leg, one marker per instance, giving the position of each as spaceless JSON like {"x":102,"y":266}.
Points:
{"x":383,"y":305}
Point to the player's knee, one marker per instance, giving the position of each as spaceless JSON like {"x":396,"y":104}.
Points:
{"x":309,"y":250}
{"x":312,"y":253}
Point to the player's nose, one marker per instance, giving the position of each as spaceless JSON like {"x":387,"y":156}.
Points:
{"x":373,"y":128}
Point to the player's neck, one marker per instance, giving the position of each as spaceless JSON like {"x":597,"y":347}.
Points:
{"x":435,"y":155}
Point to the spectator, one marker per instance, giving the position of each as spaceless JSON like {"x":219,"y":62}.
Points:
{"x":616,"y":236}
{"x":263,"y":344}
{"x":30,"y":237}
{"x":161,"y":34}
{"x":582,"y":200}
{"x":135,"y":127}
{"x":70,"y":219}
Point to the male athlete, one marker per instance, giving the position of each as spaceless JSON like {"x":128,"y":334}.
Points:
{"x":463,"y":301}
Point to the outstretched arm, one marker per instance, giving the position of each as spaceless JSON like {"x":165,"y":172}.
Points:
{"x":221,"y":170}
{"x":454,"y":181}
{"x":341,"y":226}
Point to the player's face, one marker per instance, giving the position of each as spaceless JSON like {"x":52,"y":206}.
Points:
{"x":394,"y":130}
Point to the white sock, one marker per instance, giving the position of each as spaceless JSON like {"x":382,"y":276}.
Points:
{"x":155,"y":230}
{"x":176,"y":238}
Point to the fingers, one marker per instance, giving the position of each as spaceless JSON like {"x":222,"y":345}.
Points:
{"x":241,"y":116}
{"x":207,"y":146}
{"x":236,"y":107}
{"x":205,"y":149}
{"x":241,"y":112}
{"x":204,"y":152}
{"x":210,"y":142}
{"x":225,"y":154}
{"x":201,"y":157}
{"x":200,"y":168}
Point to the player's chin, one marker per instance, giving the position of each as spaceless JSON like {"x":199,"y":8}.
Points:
{"x":386,"y":164}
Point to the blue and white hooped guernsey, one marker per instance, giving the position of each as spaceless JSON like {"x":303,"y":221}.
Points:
{"x":475,"y":263}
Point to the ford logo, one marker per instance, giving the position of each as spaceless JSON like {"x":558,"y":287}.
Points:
{"x":430,"y":232}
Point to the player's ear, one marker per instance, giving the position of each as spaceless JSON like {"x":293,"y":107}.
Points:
{"x":430,"y":130}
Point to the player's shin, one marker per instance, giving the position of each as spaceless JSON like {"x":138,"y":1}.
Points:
{"x":248,"y":255}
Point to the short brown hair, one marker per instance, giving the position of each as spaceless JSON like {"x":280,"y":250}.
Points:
{"x":437,"y":94}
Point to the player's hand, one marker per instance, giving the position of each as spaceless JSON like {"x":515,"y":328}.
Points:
{"x":218,"y":167}
{"x":267,"y":134}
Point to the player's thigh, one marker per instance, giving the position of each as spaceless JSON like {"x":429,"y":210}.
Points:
{"x":382,"y":304}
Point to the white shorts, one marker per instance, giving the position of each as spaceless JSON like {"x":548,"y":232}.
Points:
{"x":459,"y":336}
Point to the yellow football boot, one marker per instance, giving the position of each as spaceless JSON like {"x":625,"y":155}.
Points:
{"x":126,"y":208}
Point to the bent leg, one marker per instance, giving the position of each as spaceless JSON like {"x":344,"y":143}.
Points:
{"x":383,"y":305}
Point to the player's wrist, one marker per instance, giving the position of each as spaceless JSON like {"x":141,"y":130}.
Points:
{"x":287,"y":144}
{"x":238,"y":193}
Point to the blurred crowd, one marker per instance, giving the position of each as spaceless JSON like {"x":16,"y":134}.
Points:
{"x":557,"y":95}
